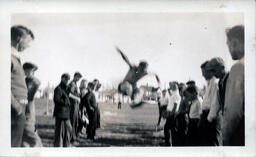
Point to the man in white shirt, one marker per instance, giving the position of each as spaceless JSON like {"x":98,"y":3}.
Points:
{"x":210,"y":133}
{"x":162,"y":104}
{"x":172,"y":108}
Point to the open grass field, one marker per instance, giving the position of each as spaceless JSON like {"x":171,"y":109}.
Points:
{"x":125,"y":127}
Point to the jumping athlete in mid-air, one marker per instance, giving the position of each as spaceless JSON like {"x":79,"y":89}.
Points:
{"x":129,"y":85}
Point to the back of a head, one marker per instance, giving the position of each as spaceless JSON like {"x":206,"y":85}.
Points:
{"x":143,"y":64}
{"x":29,"y":66}
{"x":192,"y":90}
{"x":90,"y":85}
{"x":203,"y":65}
{"x":19,"y":31}
{"x":78,"y":74}
{"x":191,"y":82}
{"x":65,"y":76}
{"x":216,"y":63}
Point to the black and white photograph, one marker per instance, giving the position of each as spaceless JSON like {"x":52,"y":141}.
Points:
{"x":129,"y":79}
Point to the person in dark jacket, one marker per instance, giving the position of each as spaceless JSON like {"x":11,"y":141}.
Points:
{"x":89,"y":101}
{"x":61,"y":113}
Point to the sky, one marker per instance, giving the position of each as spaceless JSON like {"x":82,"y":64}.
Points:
{"x":173,"y":44}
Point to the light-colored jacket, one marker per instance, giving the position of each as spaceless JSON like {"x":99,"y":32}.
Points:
{"x":233,"y":115}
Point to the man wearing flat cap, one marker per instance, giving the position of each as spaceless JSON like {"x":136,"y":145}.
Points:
{"x":30,"y":136}
{"x":61,"y":113}
{"x":74,"y":98}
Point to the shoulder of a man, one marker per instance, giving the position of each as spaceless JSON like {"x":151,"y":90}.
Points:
{"x":237,"y":67}
{"x":57,"y":89}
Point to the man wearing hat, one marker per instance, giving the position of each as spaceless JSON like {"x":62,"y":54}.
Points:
{"x":20,"y":39}
{"x":61,"y":113}
{"x":30,"y":136}
{"x":74,"y":98}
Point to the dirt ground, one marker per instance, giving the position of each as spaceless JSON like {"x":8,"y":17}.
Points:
{"x":125,"y":127}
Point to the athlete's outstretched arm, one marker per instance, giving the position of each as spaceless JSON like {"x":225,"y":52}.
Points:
{"x":125,"y":58}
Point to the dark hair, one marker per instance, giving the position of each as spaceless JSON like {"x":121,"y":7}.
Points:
{"x":29,"y":66}
{"x":192,"y":90}
{"x":78,"y":74}
{"x":203,"y":65}
{"x":90,"y":85}
{"x":19,"y":31}
{"x":143,"y":64}
{"x":65,"y":75}
{"x":176,"y":82}
{"x":236,"y":32}
{"x":95,"y":80}
{"x":191,"y":82}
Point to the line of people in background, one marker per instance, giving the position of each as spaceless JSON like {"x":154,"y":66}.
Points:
{"x":214,"y":117}
{"x":75,"y":109}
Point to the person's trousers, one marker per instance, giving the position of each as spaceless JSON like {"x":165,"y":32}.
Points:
{"x":17,"y":127}
{"x":30,"y":136}
{"x":63,"y":131}
{"x":74,"y":117}
{"x":209,"y":132}
{"x":169,"y":131}
{"x":98,"y":116}
{"x":193,"y":134}
{"x":93,"y":123}
{"x":182,"y":129}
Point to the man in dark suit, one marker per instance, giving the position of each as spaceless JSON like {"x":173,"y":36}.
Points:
{"x":61,"y":113}
{"x":89,"y":101}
